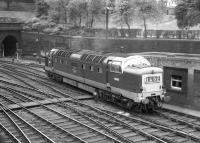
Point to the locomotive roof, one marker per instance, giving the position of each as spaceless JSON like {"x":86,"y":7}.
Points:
{"x":144,"y":70}
{"x":102,"y":57}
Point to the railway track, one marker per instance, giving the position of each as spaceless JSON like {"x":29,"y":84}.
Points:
{"x":114,"y":132}
{"x":19,"y":129}
{"x":180,"y":121}
{"x":164,"y":133}
{"x":48,"y":86}
{"x":33,"y":93}
{"x":27,"y":81}
{"x":30,"y":66}
{"x":65,"y":124}
{"x":37,"y":77}
{"x":192,"y":137}
{"x":119,"y":127}
{"x":163,"y":126}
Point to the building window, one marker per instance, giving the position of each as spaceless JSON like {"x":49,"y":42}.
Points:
{"x":176,"y":82}
{"x":99,"y":70}
{"x":91,"y":68}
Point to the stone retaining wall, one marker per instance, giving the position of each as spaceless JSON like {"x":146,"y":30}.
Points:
{"x":47,"y":42}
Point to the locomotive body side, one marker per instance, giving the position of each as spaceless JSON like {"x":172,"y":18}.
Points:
{"x":130,"y":81}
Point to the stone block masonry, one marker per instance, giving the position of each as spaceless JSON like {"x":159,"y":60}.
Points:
{"x":110,"y":45}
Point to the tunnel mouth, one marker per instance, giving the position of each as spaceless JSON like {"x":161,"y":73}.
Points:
{"x":10,"y":47}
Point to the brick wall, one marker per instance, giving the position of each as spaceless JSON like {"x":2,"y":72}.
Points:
{"x":189,"y":69}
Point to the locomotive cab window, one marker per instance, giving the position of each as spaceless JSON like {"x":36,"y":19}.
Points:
{"x":116,"y":67}
{"x":176,"y":82}
{"x":99,"y":70}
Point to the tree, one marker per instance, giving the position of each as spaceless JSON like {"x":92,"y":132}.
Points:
{"x":94,"y":8}
{"x":59,"y":10}
{"x":187,"y":13}
{"x":77,"y":10}
{"x":124,"y":13}
{"x":63,"y":7}
{"x":8,"y":2}
{"x":54,"y":11}
{"x":151,"y":10}
{"x":41,"y":8}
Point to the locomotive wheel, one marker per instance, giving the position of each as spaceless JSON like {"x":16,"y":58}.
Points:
{"x":159,"y":104}
{"x":144,"y":108}
{"x":138,"y":108}
{"x":129,"y":105}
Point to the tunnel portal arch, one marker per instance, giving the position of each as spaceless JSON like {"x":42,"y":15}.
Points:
{"x":9,"y":46}
{"x":10,"y":37}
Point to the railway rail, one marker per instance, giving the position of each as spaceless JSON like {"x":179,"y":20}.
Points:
{"x":183,"y":122}
{"x":101,"y":124}
{"x":59,"y":121}
{"x":110,"y":131}
{"x":19,"y":128}
{"x":48,"y":85}
{"x":115,"y":123}
{"x":162,"y":132}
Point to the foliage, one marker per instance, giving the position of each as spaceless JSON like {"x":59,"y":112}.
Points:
{"x":41,"y":8}
{"x":84,"y":13}
{"x":8,"y":2}
{"x":151,"y":10}
{"x":59,"y":10}
{"x":94,"y":11}
{"x":77,"y":11}
{"x":123,"y":13}
{"x":39,"y":24}
{"x":187,"y":13}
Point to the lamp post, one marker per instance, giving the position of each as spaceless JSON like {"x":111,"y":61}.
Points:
{"x":38,"y":55}
{"x":107,"y":12}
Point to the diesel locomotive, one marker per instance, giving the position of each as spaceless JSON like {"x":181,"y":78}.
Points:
{"x":127,"y":80}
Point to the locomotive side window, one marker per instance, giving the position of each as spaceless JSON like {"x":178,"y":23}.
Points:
{"x":56,"y":60}
{"x":99,"y":70}
{"x":176,"y":82}
{"x":74,"y":67}
{"x":83,"y":66}
{"x":116,"y":67}
{"x":91,"y":68}
{"x":61,"y":61}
